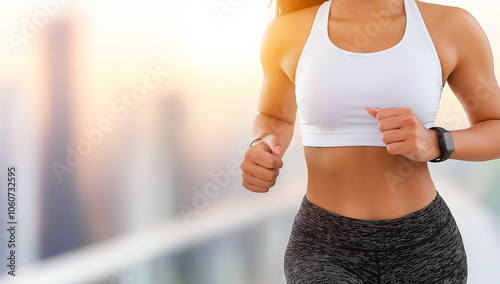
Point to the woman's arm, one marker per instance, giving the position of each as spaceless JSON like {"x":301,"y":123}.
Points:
{"x":472,"y":79}
{"x":277,"y":106}
{"x":277,"y":114}
{"x":473,"y":82}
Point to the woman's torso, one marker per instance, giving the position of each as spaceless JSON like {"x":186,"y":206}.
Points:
{"x":366,"y":182}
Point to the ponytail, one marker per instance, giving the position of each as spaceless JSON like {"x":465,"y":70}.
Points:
{"x":283,"y":7}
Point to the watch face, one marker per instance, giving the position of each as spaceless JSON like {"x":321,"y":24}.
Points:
{"x":448,"y":141}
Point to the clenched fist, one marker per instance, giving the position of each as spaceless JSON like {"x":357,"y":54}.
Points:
{"x":261,"y":164}
{"x":404,"y":134}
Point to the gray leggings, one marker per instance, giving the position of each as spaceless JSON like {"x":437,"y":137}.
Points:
{"x":421,"y":247}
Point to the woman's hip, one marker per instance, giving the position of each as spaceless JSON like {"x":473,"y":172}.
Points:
{"x":421,"y":246}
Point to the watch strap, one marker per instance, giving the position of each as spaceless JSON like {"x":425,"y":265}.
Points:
{"x":445,"y":149}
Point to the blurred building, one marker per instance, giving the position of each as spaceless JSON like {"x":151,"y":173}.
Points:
{"x":61,"y":225}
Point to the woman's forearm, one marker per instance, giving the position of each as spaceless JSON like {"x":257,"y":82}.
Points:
{"x":480,"y":142}
{"x":264,"y":125}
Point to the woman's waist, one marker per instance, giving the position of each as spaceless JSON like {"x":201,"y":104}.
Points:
{"x":363,"y":165}
{"x":367,"y":182}
{"x":407,"y":230}
{"x":381,"y":179}
{"x":370,"y":202}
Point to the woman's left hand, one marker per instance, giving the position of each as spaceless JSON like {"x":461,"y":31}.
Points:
{"x":404,"y":134}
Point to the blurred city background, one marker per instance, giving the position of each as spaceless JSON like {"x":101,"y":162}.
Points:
{"x":127,"y":122}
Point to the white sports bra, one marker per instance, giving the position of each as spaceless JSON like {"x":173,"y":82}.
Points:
{"x":334,"y":86}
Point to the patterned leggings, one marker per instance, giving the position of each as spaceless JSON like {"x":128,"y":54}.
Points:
{"x":421,"y":247}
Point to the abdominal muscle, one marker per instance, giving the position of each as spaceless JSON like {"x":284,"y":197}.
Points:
{"x":367,"y":182}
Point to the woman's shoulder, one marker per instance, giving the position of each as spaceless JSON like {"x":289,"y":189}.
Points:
{"x":288,"y":25}
{"x":284,"y":29}
{"x":453,"y":27}
{"x":297,"y":16}
{"x":447,"y":17}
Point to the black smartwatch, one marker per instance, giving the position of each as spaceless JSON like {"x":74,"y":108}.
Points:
{"x":446,"y":145}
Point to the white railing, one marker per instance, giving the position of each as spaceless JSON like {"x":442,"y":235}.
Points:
{"x":95,"y":262}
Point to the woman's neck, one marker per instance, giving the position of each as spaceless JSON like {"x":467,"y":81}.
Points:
{"x":364,"y":10}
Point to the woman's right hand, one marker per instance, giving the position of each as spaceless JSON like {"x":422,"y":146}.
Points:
{"x":261,"y":164}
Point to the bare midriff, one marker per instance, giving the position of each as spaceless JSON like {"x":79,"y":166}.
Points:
{"x":367,"y":182}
